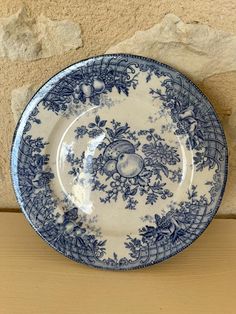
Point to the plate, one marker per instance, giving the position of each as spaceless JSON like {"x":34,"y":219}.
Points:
{"x":119,"y":162}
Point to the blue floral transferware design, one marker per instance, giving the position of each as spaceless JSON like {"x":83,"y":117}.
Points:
{"x":127,"y":172}
{"x":119,"y":162}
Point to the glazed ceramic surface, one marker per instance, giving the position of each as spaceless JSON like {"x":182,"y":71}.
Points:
{"x":119,"y":162}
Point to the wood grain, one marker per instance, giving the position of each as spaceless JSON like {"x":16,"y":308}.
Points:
{"x":36,"y":279}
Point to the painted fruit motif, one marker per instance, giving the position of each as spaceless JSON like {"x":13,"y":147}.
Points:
{"x":129,"y":165}
{"x":98,"y":85}
{"x":110,"y":167}
{"x":87,"y":90}
{"x":114,"y":149}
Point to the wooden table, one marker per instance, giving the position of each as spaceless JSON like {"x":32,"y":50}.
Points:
{"x":36,"y":279}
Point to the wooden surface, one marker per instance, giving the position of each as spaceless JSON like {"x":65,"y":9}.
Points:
{"x":36,"y":279}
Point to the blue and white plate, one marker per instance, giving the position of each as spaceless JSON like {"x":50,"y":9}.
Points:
{"x":119,"y":162}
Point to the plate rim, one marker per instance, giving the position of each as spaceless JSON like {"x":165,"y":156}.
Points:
{"x":30,"y":106}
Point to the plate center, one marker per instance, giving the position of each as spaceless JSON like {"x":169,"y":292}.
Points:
{"x":121,"y":170}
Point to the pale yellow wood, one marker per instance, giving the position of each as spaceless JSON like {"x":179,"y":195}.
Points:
{"x":10,"y":210}
{"x":36,"y":279}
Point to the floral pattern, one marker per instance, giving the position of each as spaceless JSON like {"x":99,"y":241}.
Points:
{"x":161,"y":235}
{"x":89,"y":82}
{"x":127,"y":172}
{"x":193,"y":116}
{"x":172,"y":229}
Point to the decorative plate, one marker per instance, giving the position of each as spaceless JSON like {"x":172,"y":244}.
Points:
{"x":119,"y":162}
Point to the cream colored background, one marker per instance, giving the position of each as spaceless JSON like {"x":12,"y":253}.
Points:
{"x":105,"y":23}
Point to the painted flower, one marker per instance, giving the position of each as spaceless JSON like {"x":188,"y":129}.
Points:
{"x":81,"y":131}
{"x":161,"y":153}
{"x":94,"y":133}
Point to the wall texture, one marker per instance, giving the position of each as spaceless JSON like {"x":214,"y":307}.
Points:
{"x":105,"y":23}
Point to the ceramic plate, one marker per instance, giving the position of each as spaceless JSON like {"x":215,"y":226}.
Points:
{"x":119,"y":162}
